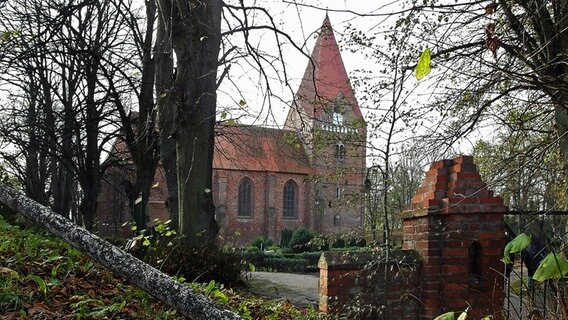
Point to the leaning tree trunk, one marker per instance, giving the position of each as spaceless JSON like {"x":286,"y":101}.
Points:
{"x":138,"y":273}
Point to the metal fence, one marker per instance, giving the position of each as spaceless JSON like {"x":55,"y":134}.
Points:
{"x":524,"y":297}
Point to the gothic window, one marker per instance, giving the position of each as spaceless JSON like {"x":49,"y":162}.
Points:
{"x":339,"y":150}
{"x":290,"y":201}
{"x":337,"y":220}
{"x":245,"y":198}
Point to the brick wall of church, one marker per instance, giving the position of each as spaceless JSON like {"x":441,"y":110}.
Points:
{"x":267,"y":219}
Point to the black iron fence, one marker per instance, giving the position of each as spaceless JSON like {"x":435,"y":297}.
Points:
{"x":526,"y":298}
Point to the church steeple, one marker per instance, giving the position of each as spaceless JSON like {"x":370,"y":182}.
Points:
{"x":325,"y":79}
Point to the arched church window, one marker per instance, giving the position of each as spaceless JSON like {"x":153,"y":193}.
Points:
{"x":337,"y":220}
{"x":290,"y":200}
{"x":245,"y":208}
{"x":339,"y":150}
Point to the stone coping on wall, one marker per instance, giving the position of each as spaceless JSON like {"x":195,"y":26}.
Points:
{"x":357,"y":260}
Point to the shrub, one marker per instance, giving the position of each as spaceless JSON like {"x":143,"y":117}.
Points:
{"x":285,"y":237}
{"x":262,"y":243}
{"x":161,"y":248}
{"x":286,"y":264}
{"x":338,"y":242}
{"x":254,"y":257}
{"x":311,"y":257}
{"x":357,"y":242}
{"x":201,"y":265}
{"x":300,"y":240}
{"x":320,"y":242}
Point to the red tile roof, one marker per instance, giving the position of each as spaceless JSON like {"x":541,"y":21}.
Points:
{"x":325,"y":76}
{"x":255,"y":148}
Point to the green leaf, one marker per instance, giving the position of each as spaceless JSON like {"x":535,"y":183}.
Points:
{"x":223,"y":115}
{"x":133,"y":228}
{"x":252,"y":268}
{"x":489,"y":317}
{"x":40,"y":283}
{"x":242,"y":103}
{"x":160,"y":228}
{"x":520,"y":243}
{"x":146,"y":242}
{"x":210,"y":286}
{"x":463,"y":316}
{"x":423,"y":66}
{"x":553,"y":266}
{"x":446,"y":316}
{"x":221,"y":297}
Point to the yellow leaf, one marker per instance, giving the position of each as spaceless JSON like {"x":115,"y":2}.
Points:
{"x":423,"y":66}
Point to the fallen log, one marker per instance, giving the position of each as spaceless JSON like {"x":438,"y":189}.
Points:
{"x":159,"y":285}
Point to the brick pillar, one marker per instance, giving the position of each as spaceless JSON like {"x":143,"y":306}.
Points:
{"x":456,"y":225}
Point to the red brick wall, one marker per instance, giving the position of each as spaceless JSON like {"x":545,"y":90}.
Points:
{"x":454,"y":214}
{"x":351,"y":287}
{"x":456,"y":227}
{"x":240,"y":231}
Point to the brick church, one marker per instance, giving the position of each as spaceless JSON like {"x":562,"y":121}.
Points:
{"x":307,"y":175}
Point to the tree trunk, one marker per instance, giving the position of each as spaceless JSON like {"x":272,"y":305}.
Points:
{"x":136,"y":272}
{"x":144,"y":143}
{"x":166,"y":114}
{"x":196,"y":38}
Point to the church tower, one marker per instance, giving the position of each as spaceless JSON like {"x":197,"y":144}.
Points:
{"x":332,"y":130}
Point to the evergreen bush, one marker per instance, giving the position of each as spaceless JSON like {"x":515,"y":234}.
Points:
{"x":300,"y":241}
{"x":285,"y":237}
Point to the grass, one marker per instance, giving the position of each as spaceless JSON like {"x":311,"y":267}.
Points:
{"x":42,"y":277}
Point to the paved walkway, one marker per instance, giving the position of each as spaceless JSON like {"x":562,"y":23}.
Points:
{"x":300,"y":289}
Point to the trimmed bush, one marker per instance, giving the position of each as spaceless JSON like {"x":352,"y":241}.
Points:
{"x":256,"y":258}
{"x":300,"y":241}
{"x":285,"y":237}
{"x":338,"y":242}
{"x":286,"y":264}
{"x":262,"y":243}
{"x":311,"y":257}
{"x":357,"y":242}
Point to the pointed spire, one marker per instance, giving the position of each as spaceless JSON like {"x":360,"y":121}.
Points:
{"x":325,"y":77}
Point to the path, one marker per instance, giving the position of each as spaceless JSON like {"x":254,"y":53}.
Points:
{"x":300,"y":289}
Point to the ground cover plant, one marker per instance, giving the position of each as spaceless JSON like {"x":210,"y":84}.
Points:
{"x":42,"y":277}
